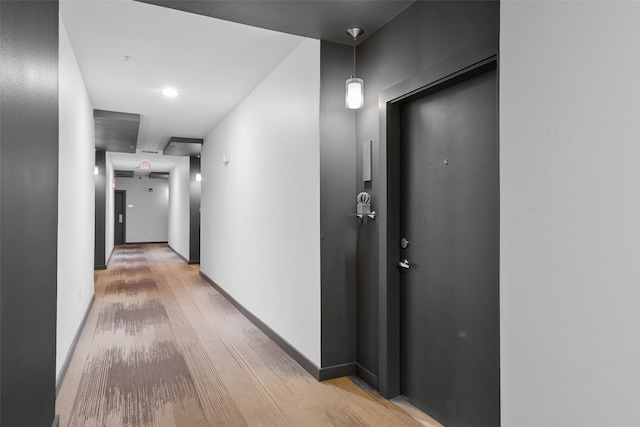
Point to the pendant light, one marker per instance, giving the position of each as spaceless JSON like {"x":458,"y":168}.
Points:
{"x":354,"y":87}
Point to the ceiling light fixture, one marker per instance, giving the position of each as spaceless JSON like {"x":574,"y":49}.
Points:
{"x":169,"y":92}
{"x":198,"y":177}
{"x":354,"y":87}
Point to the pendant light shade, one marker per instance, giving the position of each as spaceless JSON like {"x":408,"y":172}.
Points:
{"x":354,"y":90}
{"x":354,"y":87}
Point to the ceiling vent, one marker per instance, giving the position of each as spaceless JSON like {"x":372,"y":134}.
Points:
{"x":161,"y":175}
{"x":123,"y":174}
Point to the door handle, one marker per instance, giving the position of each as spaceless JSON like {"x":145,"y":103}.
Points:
{"x":404,"y":264}
{"x":120,"y":218}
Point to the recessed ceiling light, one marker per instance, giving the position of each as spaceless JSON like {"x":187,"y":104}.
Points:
{"x":169,"y":92}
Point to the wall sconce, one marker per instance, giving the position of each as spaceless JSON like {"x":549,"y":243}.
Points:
{"x":198,"y":177}
{"x":96,"y":170}
{"x":354,"y":87}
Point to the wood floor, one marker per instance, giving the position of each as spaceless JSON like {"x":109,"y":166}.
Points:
{"x":161,"y":347}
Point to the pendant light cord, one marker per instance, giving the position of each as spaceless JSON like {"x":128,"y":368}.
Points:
{"x":354,"y":32}
{"x":354,"y":57}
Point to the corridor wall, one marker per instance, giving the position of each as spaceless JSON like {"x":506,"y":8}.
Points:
{"x":179,"y":208}
{"x":261,"y":210}
{"x":147,"y":209}
{"x":570,"y":213}
{"x":76,"y":194}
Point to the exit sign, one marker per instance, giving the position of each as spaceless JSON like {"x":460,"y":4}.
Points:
{"x":145,"y":165}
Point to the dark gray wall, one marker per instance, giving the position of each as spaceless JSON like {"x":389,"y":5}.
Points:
{"x":194,"y":211}
{"x":337,"y":206}
{"x":28,"y":211}
{"x":424,"y":35}
{"x":99,"y":257}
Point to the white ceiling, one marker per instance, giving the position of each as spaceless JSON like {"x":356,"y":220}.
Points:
{"x":213,"y":64}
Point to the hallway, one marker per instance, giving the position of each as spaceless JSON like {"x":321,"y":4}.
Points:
{"x":161,"y":347}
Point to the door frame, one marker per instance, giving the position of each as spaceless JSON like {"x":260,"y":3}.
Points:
{"x":124,"y":215}
{"x":463,"y":66}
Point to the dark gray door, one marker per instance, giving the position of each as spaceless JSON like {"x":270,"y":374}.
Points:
{"x":120,"y":217}
{"x":449,"y":322}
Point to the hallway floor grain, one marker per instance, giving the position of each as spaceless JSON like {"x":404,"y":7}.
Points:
{"x":161,"y":347}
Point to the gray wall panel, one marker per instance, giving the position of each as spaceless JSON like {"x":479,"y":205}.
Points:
{"x":28,"y":211}
{"x":337,"y":204}
{"x":194,"y":211}
{"x":99,"y":256}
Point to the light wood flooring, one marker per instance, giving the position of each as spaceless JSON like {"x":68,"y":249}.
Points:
{"x":161,"y":347}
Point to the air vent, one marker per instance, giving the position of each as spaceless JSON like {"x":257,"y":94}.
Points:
{"x":123,"y":174}
{"x":150,"y":151}
{"x":161,"y":175}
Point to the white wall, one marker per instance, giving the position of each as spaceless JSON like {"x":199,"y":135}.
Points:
{"x":148,"y":218}
{"x":260,"y":213}
{"x":179,"y":208}
{"x":109,"y":205}
{"x":76,"y":193}
{"x":570,"y":213}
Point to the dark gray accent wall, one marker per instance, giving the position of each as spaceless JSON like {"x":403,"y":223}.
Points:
{"x":423,"y":36}
{"x":28,"y":211}
{"x":99,"y":257}
{"x":194,"y":211}
{"x":337,"y":206}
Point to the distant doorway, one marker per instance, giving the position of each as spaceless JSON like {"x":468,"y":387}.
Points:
{"x":120,"y":218}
